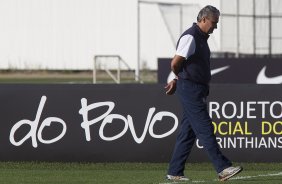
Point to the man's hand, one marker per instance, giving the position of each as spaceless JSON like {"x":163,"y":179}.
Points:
{"x":175,"y":64}
{"x":171,"y":87}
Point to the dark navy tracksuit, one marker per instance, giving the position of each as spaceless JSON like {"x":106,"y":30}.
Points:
{"x":192,"y":90}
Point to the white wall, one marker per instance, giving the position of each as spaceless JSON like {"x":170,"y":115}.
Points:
{"x":66,"y":34}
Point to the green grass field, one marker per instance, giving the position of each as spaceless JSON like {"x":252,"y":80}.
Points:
{"x":127,"y":173}
{"x":70,"y":77}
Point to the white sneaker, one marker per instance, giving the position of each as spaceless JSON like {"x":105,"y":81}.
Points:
{"x":229,"y":172}
{"x":177,"y":178}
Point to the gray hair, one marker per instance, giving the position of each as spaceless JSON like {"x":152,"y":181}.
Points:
{"x":207,"y":11}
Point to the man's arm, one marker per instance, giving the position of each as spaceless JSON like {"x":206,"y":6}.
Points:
{"x":185,"y":49}
{"x":176,"y":64}
{"x":175,"y":67}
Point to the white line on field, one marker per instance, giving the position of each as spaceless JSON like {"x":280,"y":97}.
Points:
{"x":235,"y":178}
{"x":260,"y":175}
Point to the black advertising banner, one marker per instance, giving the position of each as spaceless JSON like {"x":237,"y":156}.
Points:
{"x":247,"y":121}
{"x":133,"y":123}
{"x":164,"y":70}
{"x":100,"y":123}
{"x":235,"y":70}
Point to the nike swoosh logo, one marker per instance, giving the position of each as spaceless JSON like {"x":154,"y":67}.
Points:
{"x":215,"y":71}
{"x":263,"y":79}
{"x":171,"y":76}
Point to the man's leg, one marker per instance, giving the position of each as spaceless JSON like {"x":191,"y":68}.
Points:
{"x":184,"y":143}
{"x":208,"y":140}
{"x":193,"y":99}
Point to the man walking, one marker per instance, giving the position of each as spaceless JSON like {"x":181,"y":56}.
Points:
{"x":191,"y":65}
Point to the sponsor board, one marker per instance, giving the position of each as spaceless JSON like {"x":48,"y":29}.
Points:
{"x":234,"y":70}
{"x":133,"y":123}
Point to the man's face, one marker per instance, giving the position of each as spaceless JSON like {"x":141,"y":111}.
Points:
{"x":211,"y":24}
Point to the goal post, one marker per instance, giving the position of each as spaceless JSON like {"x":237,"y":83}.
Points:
{"x":109,"y":63}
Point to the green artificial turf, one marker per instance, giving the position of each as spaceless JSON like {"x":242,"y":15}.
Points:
{"x":128,"y":173}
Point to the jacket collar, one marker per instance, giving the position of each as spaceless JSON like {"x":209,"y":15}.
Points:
{"x":200,"y":32}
